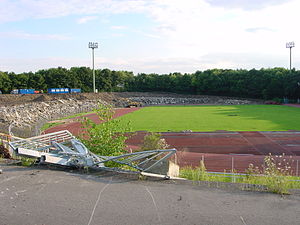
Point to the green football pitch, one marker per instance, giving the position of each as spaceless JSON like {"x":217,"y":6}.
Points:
{"x":212,"y":118}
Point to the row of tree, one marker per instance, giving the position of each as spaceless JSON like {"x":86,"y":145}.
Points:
{"x":75,"y":77}
{"x":263,"y":83}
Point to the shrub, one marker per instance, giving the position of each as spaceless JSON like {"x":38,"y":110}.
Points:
{"x":154,"y":141}
{"x":26,"y":161}
{"x":275,"y":175}
{"x":107,"y":138}
{"x":198,"y":173}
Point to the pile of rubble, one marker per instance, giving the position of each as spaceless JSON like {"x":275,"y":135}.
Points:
{"x":186,"y":101}
{"x":29,"y":114}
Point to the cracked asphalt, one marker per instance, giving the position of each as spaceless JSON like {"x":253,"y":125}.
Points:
{"x":41,"y":196}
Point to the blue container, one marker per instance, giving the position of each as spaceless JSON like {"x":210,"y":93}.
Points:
{"x":58,"y":90}
{"x":75,"y":90}
{"x":26,"y":91}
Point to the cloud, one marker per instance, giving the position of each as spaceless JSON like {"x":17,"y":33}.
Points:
{"x":162,"y":65}
{"x":118,"y":27}
{"x":19,"y":65}
{"x":86,"y":19}
{"x":258,"y":29}
{"x":146,"y":34}
{"x":191,"y":34}
{"x":23,"y":9}
{"x":246,"y":4}
{"x":29,"y":36}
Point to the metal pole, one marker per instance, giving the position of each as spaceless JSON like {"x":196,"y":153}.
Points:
{"x":94,"y":79}
{"x":297,"y":168}
{"x":93,"y":45}
{"x":232,"y":170}
{"x":290,"y":45}
{"x":290,"y":58}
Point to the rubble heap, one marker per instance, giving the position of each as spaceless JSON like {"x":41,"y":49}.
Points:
{"x":29,"y":114}
{"x":188,"y":101}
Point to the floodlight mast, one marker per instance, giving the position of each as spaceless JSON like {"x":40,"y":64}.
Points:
{"x":93,"y":45}
{"x":290,"y":45}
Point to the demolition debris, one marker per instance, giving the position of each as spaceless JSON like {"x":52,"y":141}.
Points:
{"x":62,"y":148}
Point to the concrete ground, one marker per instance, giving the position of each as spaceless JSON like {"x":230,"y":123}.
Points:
{"x":30,"y":196}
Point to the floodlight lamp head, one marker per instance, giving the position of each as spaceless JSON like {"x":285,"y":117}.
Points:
{"x":93,"y":45}
{"x":290,"y":44}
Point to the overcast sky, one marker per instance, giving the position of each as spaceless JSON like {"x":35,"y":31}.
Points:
{"x":158,"y":36}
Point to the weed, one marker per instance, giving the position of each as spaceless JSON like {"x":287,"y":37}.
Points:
{"x":275,"y":175}
{"x":198,"y":173}
{"x":26,"y":161}
{"x":154,"y":141}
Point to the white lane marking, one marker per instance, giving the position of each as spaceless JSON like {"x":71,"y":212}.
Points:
{"x":98,"y":199}
{"x":18,"y":192}
{"x":154,"y":203}
{"x":243,"y":220}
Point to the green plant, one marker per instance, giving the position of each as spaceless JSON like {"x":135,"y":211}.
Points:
{"x":107,"y":138}
{"x":154,"y":141}
{"x":279,"y":100}
{"x":25,"y":161}
{"x":53,"y":124}
{"x":276,"y":176}
{"x":198,"y":173}
{"x":49,"y":125}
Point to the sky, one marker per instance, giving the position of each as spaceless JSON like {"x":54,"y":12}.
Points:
{"x":148,"y":36}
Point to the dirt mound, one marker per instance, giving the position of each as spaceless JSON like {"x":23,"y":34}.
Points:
{"x":43,"y":98}
{"x":80,"y":97}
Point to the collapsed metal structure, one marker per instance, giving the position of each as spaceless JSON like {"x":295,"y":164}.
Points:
{"x":62,"y":148}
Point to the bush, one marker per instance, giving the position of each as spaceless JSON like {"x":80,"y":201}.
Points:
{"x":107,"y":138}
{"x":26,"y":161}
{"x":154,"y":141}
{"x":198,"y":173}
{"x":274,"y":175}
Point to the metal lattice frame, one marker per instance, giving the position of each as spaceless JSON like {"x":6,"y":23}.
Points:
{"x":62,"y":148}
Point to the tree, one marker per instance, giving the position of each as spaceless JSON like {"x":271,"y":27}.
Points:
{"x":107,"y":138}
{"x":5,"y":82}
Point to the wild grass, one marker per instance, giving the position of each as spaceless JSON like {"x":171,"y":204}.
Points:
{"x":26,"y":161}
{"x":53,"y":124}
{"x":276,"y":178}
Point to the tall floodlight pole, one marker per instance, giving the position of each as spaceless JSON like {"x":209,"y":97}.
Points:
{"x":290,"y":45}
{"x":93,"y":45}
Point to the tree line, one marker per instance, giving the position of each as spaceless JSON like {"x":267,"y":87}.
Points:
{"x":75,"y":77}
{"x":263,"y":84}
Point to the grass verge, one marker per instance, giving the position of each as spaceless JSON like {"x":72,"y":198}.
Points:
{"x":53,"y":124}
{"x":275,"y":179}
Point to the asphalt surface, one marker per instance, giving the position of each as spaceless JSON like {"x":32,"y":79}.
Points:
{"x":30,"y":196}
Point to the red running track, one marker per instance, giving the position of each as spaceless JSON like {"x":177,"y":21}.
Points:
{"x":220,"y":150}
{"x":75,"y":126}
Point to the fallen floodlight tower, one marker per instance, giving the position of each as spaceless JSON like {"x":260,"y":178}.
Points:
{"x":62,"y":148}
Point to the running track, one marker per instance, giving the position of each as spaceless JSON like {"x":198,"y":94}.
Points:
{"x":220,"y":150}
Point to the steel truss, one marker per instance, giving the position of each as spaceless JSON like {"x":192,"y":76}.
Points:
{"x":62,"y":148}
